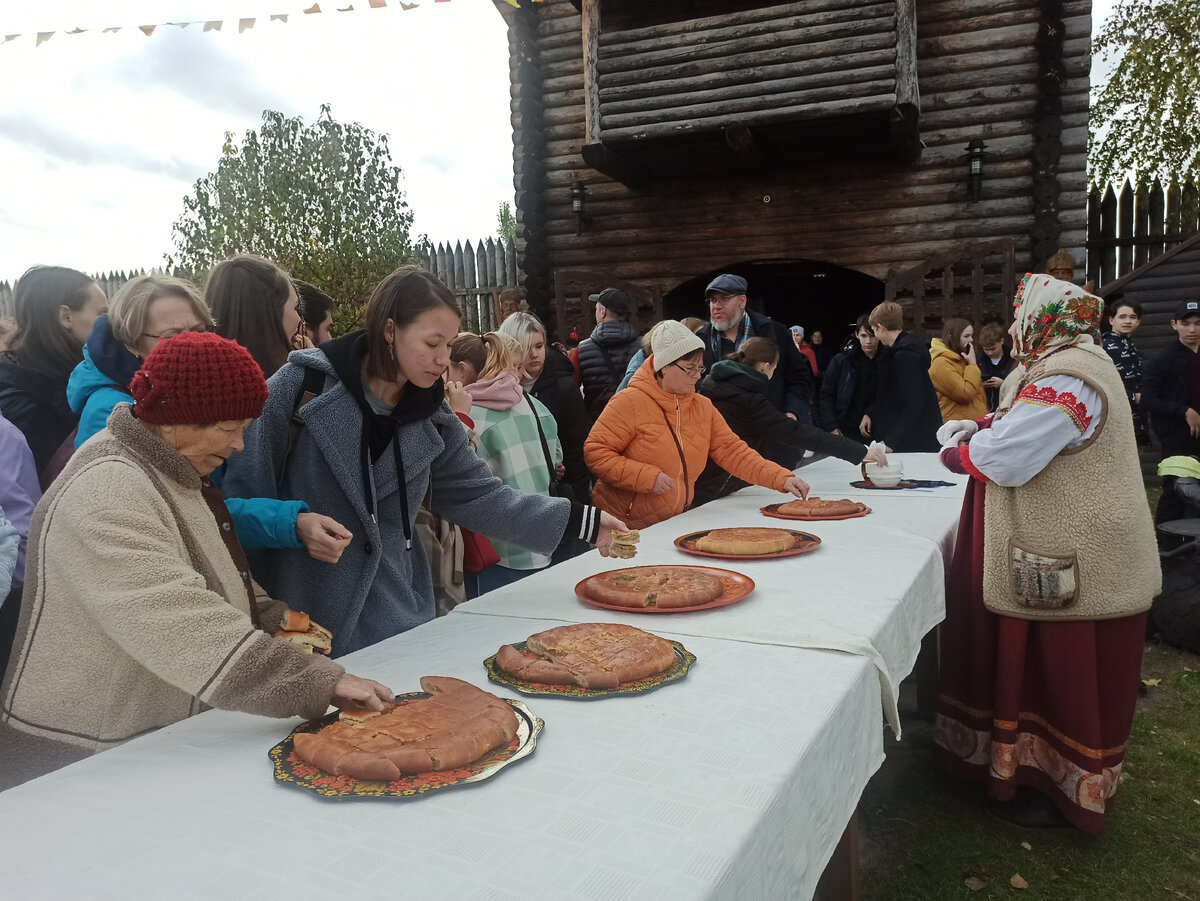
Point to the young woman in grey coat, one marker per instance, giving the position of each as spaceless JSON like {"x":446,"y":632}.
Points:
{"x":375,"y":441}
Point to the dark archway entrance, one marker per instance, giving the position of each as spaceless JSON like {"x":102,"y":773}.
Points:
{"x":810,"y":293}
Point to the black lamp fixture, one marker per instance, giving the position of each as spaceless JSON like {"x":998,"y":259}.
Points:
{"x":975,"y":167}
{"x":578,"y":199}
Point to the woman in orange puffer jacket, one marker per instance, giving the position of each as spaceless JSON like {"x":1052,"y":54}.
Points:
{"x":654,"y":438}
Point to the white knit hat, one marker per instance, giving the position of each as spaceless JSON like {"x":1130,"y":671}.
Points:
{"x":671,"y":340}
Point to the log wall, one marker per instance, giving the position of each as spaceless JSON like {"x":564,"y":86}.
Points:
{"x":978,"y":66}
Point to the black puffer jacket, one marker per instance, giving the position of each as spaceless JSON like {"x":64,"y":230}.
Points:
{"x":35,"y":401}
{"x":602,"y":361}
{"x":906,"y":415}
{"x":739,"y":392}
{"x":557,"y":390}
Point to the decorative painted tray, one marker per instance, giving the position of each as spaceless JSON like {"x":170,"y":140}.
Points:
{"x":683,"y":662}
{"x":773,"y":510}
{"x":291,"y":770}
{"x":902,"y":484}
{"x":737,"y":586}
{"x":805,"y":542}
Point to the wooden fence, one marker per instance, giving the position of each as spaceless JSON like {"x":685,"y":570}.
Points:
{"x":1129,"y":226}
{"x":108,"y":284}
{"x":476,"y":275}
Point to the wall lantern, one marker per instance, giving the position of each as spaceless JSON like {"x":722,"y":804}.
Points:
{"x":578,"y":200}
{"x":975,"y":163}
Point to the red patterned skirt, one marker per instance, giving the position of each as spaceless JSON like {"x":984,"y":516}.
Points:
{"x":1020,"y":702}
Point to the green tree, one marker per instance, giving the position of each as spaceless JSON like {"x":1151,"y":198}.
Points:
{"x":1146,"y":116}
{"x":321,"y":200}
{"x":507,"y":222}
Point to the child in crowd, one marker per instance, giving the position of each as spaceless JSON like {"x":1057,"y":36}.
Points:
{"x":994,"y":363}
{"x":1124,"y":316}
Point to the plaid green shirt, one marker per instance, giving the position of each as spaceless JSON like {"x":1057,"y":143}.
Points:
{"x":510,"y":446}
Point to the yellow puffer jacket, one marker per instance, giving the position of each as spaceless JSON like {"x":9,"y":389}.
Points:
{"x":639,"y":434}
{"x":959,"y":384}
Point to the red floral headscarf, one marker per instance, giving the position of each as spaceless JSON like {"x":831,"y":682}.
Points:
{"x":1051,"y":313}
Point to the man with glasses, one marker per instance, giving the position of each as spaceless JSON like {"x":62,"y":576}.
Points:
{"x":730,"y":324}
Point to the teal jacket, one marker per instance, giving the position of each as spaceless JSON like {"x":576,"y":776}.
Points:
{"x":261,"y":522}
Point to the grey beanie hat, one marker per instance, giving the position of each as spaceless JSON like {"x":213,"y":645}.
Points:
{"x":672,"y":340}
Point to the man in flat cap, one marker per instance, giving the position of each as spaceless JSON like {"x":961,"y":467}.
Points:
{"x":730,"y":324}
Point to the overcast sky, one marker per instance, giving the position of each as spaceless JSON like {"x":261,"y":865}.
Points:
{"x":101,"y":135}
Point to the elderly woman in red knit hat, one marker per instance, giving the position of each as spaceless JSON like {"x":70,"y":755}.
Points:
{"x":139,"y":606}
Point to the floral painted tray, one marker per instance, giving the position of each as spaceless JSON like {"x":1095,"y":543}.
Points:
{"x":683,"y":662}
{"x":291,"y":770}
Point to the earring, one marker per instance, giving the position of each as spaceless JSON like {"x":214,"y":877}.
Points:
{"x":389,"y":346}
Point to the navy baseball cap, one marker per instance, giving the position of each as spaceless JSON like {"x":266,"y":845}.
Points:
{"x":1187,"y":309}
{"x":613,"y":298}
{"x":726,"y":284}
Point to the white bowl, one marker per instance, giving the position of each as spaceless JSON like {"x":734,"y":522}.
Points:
{"x":885,"y":476}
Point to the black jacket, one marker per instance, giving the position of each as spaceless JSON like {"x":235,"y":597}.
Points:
{"x":1165,"y":398}
{"x":839,"y":385}
{"x":602,"y":361}
{"x":988,"y":369}
{"x":35,"y":401}
{"x":739,"y":393}
{"x":791,"y":387}
{"x":906,"y":415}
{"x":556,"y":388}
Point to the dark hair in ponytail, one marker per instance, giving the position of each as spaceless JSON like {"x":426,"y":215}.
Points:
{"x":756,"y":351}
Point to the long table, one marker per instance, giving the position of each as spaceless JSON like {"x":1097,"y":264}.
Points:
{"x":735,"y":782}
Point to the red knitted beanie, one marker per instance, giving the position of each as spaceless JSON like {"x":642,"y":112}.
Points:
{"x":196,"y":378}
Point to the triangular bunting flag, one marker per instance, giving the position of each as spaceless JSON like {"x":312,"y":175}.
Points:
{"x":348,"y":9}
{"x":280,"y":18}
{"x":147,"y":30}
{"x":78,"y":30}
{"x":42,"y":37}
{"x":378,"y":4}
{"x":9,"y":37}
{"x":315,"y":8}
{"x":245,"y":25}
{"x":181,"y":24}
{"x":404,"y":5}
{"x":113,"y":30}
{"x":212,"y":26}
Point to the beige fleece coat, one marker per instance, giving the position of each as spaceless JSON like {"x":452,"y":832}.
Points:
{"x":135,"y":614}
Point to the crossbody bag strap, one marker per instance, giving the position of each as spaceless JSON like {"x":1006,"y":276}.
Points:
{"x":542,"y":435}
{"x":682,"y":459}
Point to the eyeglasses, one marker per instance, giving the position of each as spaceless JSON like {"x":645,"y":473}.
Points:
{"x":172,"y":332}
{"x":693,"y":371}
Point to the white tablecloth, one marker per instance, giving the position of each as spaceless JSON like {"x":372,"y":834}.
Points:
{"x":874,"y":587}
{"x":734,"y":783}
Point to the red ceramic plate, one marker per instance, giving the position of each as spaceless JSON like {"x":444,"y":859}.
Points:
{"x":773,"y":510}
{"x":805,"y":542}
{"x":736,"y":585}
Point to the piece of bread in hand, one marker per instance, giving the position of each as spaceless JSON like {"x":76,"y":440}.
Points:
{"x":624,"y":543}
{"x":294,"y":621}
{"x":315,"y":639}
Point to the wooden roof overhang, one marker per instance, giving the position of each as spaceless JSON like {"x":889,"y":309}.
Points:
{"x":775,"y":83}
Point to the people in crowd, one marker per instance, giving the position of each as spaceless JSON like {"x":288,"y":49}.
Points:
{"x":155,"y":617}
{"x":20,"y":492}
{"x":377,"y":439}
{"x":693,"y":325}
{"x":906,"y":414}
{"x":805,"y":348}
{"x":730,"y":324}
{"x":546,"y":373}
{"x":995,"y":363}
{"x":1124,"y":316}
{"x":1045,"y":615}
{"x":1171,"y":396}
{"x":316,"y":312}
{"x":255,"y":304}
{"x":955,"y":375}
{"x":601,"y":358}
{"x":143,"y":312}
{"x":653,"y":440}
{"x":738,"y":389}
{"x":848,"y":386}
{"x":824,"y":353}
{"x":55,"y":308}
{"x":509,"y":302}
{"x":518,"y":440}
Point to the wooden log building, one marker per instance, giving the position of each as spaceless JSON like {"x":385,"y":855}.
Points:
{"x":818,"y":148}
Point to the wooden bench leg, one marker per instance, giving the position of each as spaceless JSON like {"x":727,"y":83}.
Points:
{"x":842,"y":879}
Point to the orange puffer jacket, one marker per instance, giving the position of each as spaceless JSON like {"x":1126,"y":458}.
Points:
{"x":635,"y":439}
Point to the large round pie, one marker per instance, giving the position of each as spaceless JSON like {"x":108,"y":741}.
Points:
{"x":815,"y":506}
{"x":746,"y":541}
{"x":590,"y":655}
{"x":655,"y":586}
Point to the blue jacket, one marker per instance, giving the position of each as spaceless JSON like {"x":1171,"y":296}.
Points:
{"x":372,"y":473}
{"x":92,"y":392}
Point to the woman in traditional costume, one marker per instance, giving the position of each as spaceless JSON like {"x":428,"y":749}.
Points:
{"x":1046,"y":616}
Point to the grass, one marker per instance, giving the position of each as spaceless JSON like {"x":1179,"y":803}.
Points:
{"x":925,"y":834}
